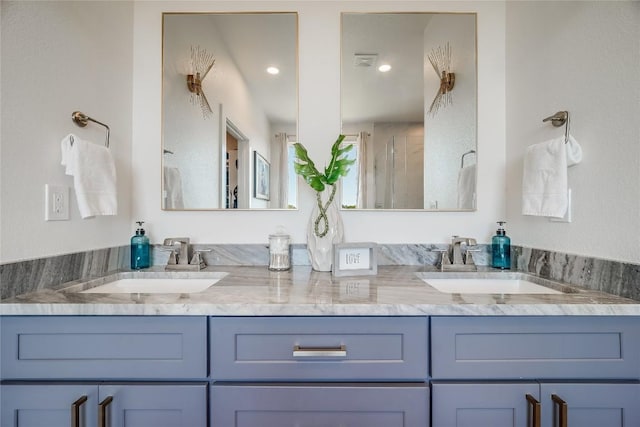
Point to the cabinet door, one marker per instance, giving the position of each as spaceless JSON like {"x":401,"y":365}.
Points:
{"x":113,"y":347}
{"x":319,"y":348}
{"x":482,"y":404}
{"x":544,"y":347}
{"x":592,"y":404}
{"x":157,"y":405}
{"x":39,"y":405}
{"x":314,"y":405}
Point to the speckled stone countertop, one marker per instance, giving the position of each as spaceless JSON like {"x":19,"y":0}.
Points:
{"x":256,"y":291}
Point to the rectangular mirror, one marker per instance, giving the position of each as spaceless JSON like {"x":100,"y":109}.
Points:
{"x":229,"y":96}
{"x":409,"y":101}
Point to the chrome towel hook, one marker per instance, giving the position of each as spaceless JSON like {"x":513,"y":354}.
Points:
{"x":558,"y":119}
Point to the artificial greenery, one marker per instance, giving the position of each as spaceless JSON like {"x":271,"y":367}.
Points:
{"x":337,"y":168}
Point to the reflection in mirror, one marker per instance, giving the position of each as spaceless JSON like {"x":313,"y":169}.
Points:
{"x":409,"y":106}
{"x":229,"y":96}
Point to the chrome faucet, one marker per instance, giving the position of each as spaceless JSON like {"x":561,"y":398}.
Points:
{"x":456,"y":261}
{"x":180,"y":260}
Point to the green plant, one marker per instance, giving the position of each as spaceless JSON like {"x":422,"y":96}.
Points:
{"x":337,"y":168}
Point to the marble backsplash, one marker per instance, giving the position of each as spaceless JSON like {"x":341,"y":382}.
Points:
{"x":42,"y":273}
{"x":614,"y":277}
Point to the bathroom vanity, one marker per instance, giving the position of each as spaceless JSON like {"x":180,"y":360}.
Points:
{"x":300,"y":348}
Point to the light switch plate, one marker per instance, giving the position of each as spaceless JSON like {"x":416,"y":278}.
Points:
{"x":56,"y":203}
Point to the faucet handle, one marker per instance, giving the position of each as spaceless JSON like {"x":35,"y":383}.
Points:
{"x":468,"y":256}
{"x":444,"y":257}
{"x":197,"y":259}
{"x":173,"y":260}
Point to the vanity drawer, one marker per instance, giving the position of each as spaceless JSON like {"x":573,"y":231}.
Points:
{"x":108,"y":347}
{"x":277,"y":405}
{"x":545,"y":347}
{"x":319,"y":348}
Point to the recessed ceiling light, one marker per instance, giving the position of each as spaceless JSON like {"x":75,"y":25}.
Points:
{"x":273,"y":70}
{"x":384,"y":68}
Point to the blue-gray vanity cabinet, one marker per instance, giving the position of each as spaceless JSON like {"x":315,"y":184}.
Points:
{"x":118,"y":405}
{"x":592,"y":364}
{"x":502,"y":404}
{"x":357,"y":405}
{"x":482,"y":404}
{"x":544,"y":347}
{"x":321,"y":371}
{"x":98,"y":347}
{"x":155,"y":405}
{"x":319,"y":348}
{"x":156,"y":356}
{"x":596,"y":404}
{"x":40,"y":405}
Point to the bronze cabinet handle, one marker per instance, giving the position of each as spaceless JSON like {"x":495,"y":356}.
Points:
{"x":102,"y":411}
{"x":534,"y":413}
{"x":75,"y":411}
{"x":562,"y":412}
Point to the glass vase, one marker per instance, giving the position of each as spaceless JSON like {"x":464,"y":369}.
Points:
{"x":324,"y":229}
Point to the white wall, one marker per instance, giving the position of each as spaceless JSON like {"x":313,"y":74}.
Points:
{"x":58,"y":57}
{"x":583,"y":57}
{"x":580,"y":56}
{"x":319,"y":124}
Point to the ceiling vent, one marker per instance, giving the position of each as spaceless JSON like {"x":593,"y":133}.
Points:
{"x":365,"y":59}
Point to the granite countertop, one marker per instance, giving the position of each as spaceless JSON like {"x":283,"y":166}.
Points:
{"x":256,"y":291}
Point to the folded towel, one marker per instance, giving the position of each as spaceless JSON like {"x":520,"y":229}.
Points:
{"x":467,"y":187}
{"x":172,"y":188}
{"x":544,"y":182}
{"x":94,"y":176}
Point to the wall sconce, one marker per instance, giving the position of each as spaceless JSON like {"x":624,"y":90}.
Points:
{"x":201,"y":63}
{"x":440,"y":60}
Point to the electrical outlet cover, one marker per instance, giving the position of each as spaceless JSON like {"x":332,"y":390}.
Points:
{"x":56,"y":203}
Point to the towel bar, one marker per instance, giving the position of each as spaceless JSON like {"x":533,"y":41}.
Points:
{"x":462,"y":158}
{"x":82,"y":119}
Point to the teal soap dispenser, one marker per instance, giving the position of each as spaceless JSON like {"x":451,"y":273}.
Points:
{"x":139,"y":249}
{"x":501,"y":248}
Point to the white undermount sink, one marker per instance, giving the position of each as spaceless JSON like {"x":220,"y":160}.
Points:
{"x":157,"y":285}
{"x":486,"y":283}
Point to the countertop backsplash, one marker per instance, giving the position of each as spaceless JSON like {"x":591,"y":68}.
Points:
{"x":614,"y":277}
{"x":43,"y":273}
{"x":622,"y":279}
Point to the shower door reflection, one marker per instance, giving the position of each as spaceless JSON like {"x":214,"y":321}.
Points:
{"x":399,"y":173}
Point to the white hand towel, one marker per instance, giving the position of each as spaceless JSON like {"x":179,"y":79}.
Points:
{"x":467,"y":187}
{"x":544,"y":182}
{"x":172,"y":188}
{"x":94,"y":176}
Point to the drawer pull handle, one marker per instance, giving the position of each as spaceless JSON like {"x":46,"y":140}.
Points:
{"x":562,"y":413}
{"x":534,"y":414}
{"x":102,"y":412}
{"x":75,"y":411}
{"x":340,"y":351}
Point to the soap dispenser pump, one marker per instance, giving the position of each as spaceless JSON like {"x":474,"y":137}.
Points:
{"x":501,"y":248}
{"x":139,"y":249}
